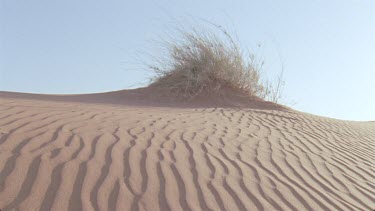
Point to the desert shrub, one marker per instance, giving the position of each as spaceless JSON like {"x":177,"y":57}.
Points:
{"x":204,"y":61}
{"x":273,"y":91}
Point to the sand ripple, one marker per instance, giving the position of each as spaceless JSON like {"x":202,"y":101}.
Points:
{"x":72,"y":156}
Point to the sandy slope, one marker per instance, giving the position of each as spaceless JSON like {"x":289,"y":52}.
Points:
{"x":94,"y":156}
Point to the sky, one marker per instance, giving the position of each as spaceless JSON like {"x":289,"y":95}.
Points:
{"x":327,"y":48}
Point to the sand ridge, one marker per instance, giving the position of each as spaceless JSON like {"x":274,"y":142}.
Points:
{"x":86,"y":156}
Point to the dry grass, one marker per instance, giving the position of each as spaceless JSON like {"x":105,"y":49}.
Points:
{"x":206,"y":62}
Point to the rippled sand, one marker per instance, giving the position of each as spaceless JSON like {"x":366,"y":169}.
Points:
{"x":86,"y":156}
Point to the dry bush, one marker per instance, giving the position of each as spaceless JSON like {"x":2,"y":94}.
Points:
{"x":208,"y":62}
{"x":274,"y":91}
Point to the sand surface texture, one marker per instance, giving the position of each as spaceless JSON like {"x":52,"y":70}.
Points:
{"x":65,"y":155}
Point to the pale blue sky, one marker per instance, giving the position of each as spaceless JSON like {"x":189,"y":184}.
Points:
{"x":70,"y":46}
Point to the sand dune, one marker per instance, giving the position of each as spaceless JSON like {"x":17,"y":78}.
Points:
{"x":68,"y":153}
